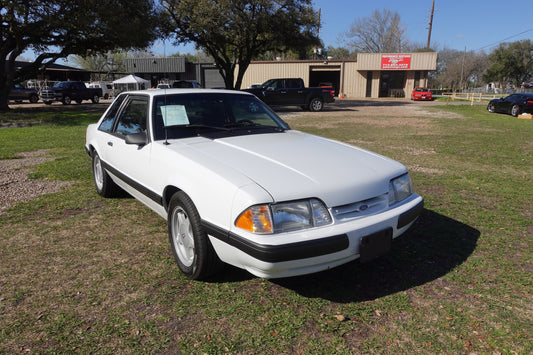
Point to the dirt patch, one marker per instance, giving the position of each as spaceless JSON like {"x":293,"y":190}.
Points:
{"x":15,"y":186}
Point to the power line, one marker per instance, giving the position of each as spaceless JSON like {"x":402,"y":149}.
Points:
{"x":505,"y":39}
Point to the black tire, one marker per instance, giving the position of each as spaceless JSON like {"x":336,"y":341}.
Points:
{"x":47,"y":102}
{"x":34,"y":98}
{"x":95,"y":99}
{"x":316,"y":104}
{"x":191,"y":247}
{"x":491,"y":107}
{"x":515,"y":110}
{"x":106,"y":96}
{"x":105,"y":186}
{"x":66,"y":100}
{"x":79,"y":101}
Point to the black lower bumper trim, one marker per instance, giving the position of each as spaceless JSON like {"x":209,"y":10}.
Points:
{"x":280,"y":253}
{"x":409,"y":216}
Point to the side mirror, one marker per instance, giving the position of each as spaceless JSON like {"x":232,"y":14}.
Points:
{"x":137,"y":139}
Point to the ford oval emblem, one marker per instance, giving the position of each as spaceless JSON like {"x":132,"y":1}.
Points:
{"x":363,"y":207}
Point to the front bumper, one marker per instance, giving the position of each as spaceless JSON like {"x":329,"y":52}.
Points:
{"x":341,"y":245}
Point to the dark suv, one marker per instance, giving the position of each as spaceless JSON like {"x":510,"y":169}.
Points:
{"x":19,"y":93}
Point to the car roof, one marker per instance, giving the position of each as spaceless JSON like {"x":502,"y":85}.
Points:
{"x":157,"y":92}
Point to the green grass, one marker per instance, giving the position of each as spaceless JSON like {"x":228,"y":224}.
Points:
{"x":83,"y":274}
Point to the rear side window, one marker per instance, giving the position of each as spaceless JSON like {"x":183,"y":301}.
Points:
{"x":111,"y":115}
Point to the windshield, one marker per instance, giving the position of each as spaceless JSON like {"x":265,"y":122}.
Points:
{"x":61,"y":85}
{"x":212,"y":114}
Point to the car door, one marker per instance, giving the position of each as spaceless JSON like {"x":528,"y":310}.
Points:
{"x":275,"y":93}
{"x":508,"y":103}
{"x":17,"y":92}
{"x":129,"y":162}
{"x":296,"y":94}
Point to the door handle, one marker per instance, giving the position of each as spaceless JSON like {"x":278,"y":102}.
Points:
{"x":110,"y":144}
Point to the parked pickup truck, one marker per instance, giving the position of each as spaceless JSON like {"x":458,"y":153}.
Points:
{"x":292,"y":92}
{"x":68,"y":91}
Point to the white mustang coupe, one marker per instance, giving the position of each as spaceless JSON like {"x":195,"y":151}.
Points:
{"x":237,"y":185}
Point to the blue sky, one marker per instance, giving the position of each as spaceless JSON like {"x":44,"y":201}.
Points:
{"x":474,"y":24}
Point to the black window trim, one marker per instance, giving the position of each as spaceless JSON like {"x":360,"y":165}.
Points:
{"x":128,"y":99}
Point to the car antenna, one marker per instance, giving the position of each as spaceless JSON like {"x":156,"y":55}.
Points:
{"x":164,"y":123}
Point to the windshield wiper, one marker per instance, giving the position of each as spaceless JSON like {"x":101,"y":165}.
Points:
{"x":251,"y":125}
{"x":200,"y":126}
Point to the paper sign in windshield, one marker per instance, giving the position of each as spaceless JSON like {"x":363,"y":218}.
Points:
{"x":174,"y":115}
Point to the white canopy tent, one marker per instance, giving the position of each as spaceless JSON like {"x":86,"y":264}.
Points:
{"x":130,"y":82}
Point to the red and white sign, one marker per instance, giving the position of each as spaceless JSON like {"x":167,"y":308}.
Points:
{"x":395,"y":61}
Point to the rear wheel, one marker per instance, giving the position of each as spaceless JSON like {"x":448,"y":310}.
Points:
{"x":95,"y":99}
{"x":191,"y":247}
{"x":103,"y":183}
{"x":34,"y":98}
{"x":515,"y":110}
{"x":316,"y":104}
{"x":66,"y":100}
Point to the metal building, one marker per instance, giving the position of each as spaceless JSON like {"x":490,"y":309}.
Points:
{"x":168,"y":69}
{"x":372,"y":75}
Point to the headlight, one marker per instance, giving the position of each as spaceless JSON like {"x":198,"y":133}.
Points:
{"x":400,"y":188}
{"x":284,"y":217}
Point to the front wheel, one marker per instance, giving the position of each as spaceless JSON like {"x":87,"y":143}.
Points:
{"x":191,"y":248}
{"x":491,"y":107}
{"x":515,"y":110}
{"x":316,"y":105}
{"x":34,"y":98}
{"x":95,"y":99}
{"x":66,"y":100}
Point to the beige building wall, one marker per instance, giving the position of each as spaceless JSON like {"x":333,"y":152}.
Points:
{"x":259,"y":72}
{"x":353,"y":74}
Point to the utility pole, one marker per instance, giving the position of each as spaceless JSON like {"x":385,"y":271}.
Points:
{"x":431,"y":23}
{"x":317,"y":32}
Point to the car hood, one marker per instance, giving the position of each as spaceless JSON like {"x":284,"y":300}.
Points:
{"x":295,"y":165}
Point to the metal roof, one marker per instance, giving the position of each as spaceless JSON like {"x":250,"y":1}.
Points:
{"x":156,"y":65}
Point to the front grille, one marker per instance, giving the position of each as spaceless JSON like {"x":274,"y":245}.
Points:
{"x":361,"y":208}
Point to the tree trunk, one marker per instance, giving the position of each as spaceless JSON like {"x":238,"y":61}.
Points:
{"x":3,"y":103}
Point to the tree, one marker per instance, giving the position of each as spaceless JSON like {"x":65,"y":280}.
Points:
{"x":197,"y":57}
{"x":459,"y":69}
{"x":102,"y":64}
{"x":340,"y":53}
{"x":234,"y":32}
{"x":56,"y":29}
{"x":511,"y":63}
{"x":380,"y":33}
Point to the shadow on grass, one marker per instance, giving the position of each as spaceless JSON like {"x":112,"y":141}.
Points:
{"x":55,"y":114}
{"x":434,"y":246}
{"x":347,"y":105}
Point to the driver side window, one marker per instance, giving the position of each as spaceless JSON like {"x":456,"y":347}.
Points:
{"x":133,"y":117}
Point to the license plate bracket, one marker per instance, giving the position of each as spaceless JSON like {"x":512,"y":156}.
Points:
{"x":374,"y":245}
